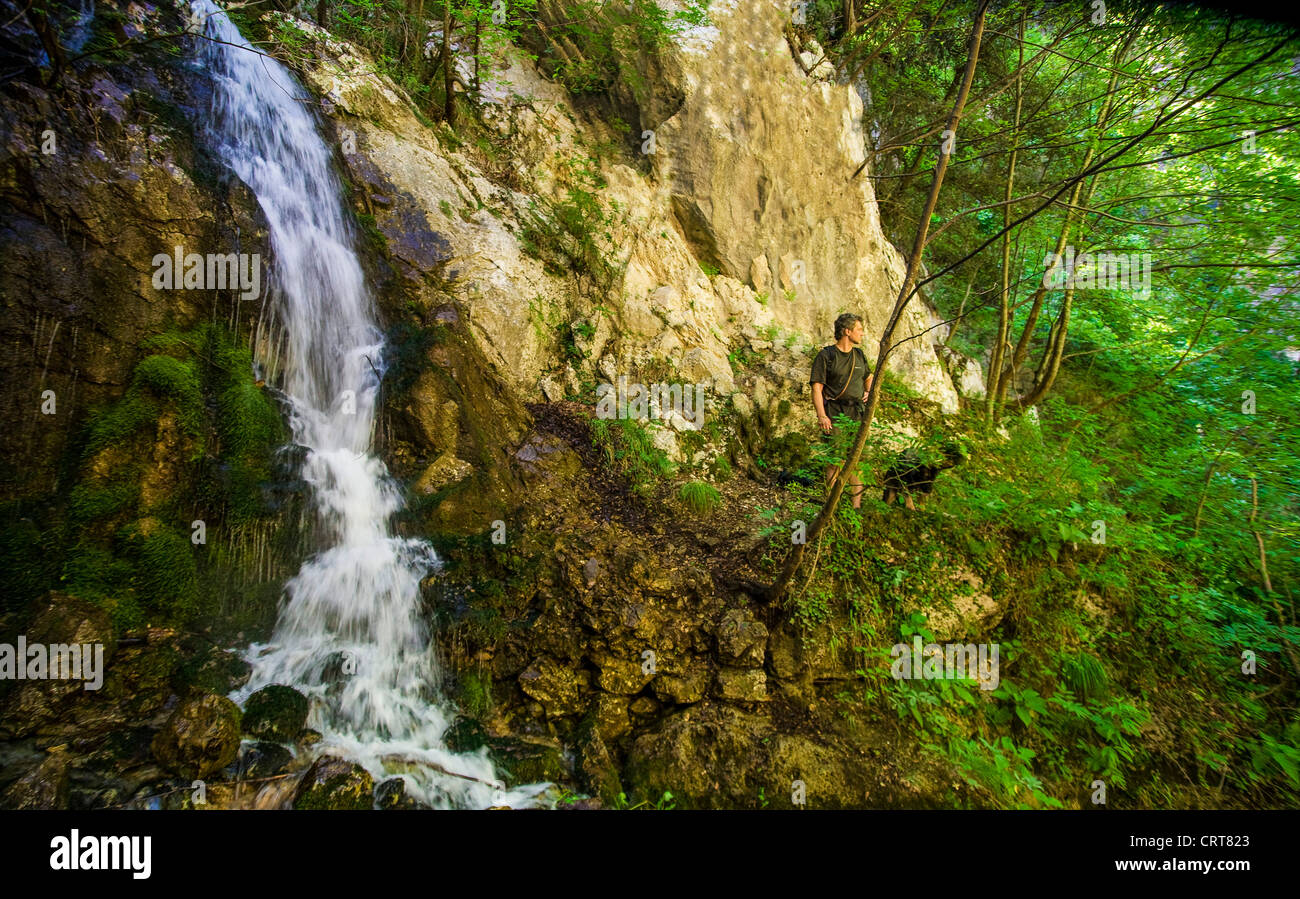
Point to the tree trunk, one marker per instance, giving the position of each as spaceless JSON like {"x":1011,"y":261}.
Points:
{"x":1004,"y":298}
{"x":448,"y":77}
{"x":792,"y":561}
{"x":40,"y":23}
{"x":1051,"y":363}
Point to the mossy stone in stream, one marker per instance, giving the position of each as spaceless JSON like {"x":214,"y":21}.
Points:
{"x":392,"y":793}
{"x":527,"y":763}
{"x":333,"y":783}
{"x":277,"y":713}
{"x":264,"y":759}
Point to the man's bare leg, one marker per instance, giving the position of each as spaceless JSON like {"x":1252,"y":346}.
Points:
{"x":857,"y":488}
{"x":908,"y":502}
{"x":832,"y":471}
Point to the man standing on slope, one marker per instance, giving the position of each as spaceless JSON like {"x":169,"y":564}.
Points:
{"x":841,"y":377}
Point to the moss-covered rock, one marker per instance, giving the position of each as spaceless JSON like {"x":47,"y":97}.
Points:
{"x":527,"y":762}
{"x":201,"y":736}
{"x":708,"y":756}
{"x":391,"y":794}
{"x":465,"y":735}
{"x":557,"y":687}
{"x":742,"y":684}
{"x":333,"y":783}
{"x":277,"y":713}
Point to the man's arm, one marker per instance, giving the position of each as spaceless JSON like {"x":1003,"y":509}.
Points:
{"x":822,"y":418}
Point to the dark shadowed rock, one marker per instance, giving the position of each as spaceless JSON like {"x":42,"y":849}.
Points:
{"x":391,"y":794}
{"x":264,"y":759}
{"x":45,"y":786}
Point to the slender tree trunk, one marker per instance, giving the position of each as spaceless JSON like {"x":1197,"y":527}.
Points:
{"x":40,"y":23}
{"x":792,"y":561}
{"x":322,"y":10}
{"x":1004,"y":298}
{"x":448,"y":76}
{"x":1055,"y":350}
{"x":1205,"y":489}
{"x":478,"y":87}
{"x":850,"y":19}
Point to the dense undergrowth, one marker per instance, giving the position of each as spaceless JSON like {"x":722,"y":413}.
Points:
{"x":1127,"y":642}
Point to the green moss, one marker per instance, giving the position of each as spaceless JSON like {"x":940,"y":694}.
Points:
{"x":170,"y":378}
{"x":121,"y":420}
{"x":165,"y":577}
{"x":87,"y":503}
{"x":150,"y":571}
{"x":790,"y":452}
{"x":476,"y":694}
{"x":276,"y":713}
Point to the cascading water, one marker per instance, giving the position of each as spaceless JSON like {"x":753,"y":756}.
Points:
{"x":350,"y":634}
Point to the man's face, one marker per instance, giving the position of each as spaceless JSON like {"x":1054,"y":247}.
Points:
{"x":855,"y":333}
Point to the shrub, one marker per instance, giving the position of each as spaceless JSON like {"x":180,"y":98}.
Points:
{"x":699,"y":497}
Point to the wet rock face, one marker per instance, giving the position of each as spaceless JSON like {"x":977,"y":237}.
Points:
{"x":45,"y":786}
{"x":200,"y":738}
{"x":93,"y":185}
{"x":30,"y":705}
{"x":332,"y":783}
{"x":276,"y":713}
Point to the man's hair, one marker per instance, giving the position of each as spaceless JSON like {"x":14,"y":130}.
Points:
{"x":844,"y":324}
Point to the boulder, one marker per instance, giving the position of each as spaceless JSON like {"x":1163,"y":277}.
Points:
{"x":264,"y":759}
{"x":277,"y":713}
{"x":334,"y":783}
{"x":200,"y":737}
{"x":742,"y":639}
{"x":742,"y":684}
{"x":621,"y":675}
{"x":528,"y":761}
{"x":391,"y":794}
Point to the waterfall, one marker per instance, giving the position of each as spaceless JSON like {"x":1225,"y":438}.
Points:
{"x":350,"y":633}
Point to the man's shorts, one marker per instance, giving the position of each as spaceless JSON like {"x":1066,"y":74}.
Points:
{"x":854,"y":409}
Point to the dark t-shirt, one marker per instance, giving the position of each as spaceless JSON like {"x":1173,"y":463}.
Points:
{"x":832,"y":368}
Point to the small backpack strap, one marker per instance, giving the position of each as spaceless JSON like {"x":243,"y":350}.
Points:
{"x":849,"y":380}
